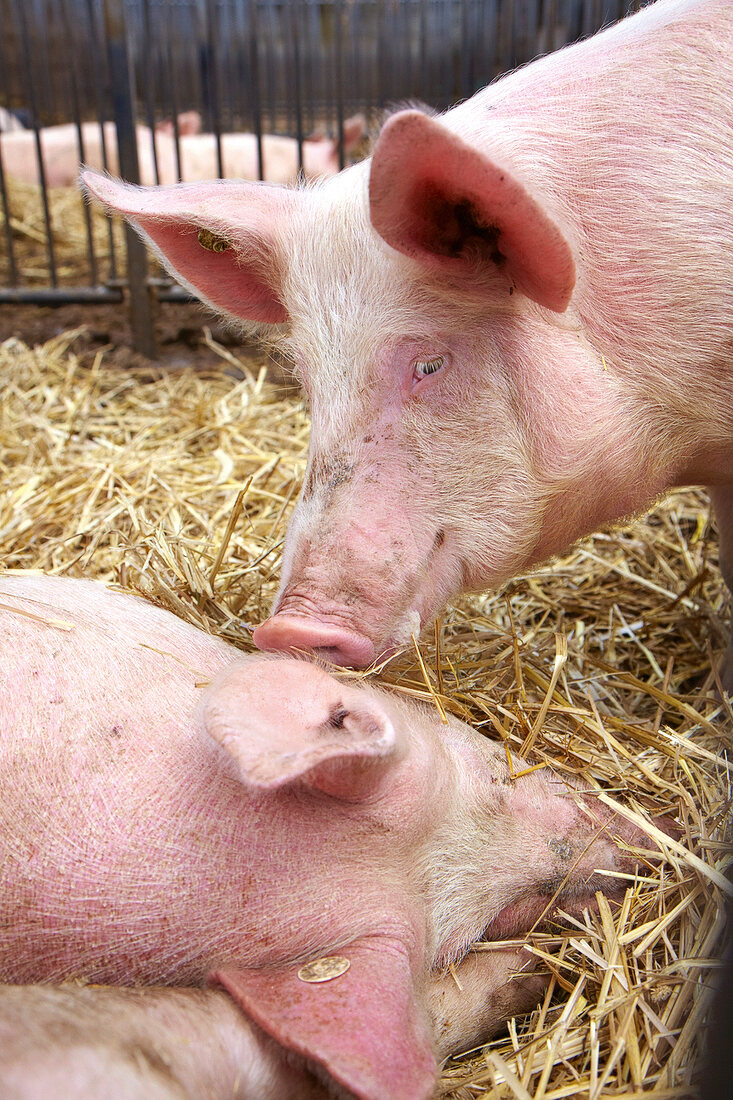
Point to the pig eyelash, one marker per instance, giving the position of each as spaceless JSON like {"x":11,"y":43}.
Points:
{"x":421,"y":368}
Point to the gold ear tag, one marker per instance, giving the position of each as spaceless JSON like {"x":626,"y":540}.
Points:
{"x":211,"y":242}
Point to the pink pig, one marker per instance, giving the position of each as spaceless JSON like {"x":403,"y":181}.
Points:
{"x":514,"y":322}
{"x":198,"y":159}
{"x":239,"y":156}
{"x":60,"y":148}
{"x":110,"y":1043}
{"x":175,"y":812}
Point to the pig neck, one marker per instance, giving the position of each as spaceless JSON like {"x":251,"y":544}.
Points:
{"x":595,"y":130}
{"x":596,"y":451}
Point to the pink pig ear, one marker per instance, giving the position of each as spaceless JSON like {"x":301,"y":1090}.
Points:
{"x":284,"y":720}
{"x":364,"y":1027}
{"x":216,"y":238}
{"x":441,"y":201}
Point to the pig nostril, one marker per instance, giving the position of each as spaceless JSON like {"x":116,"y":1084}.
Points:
{"x":337,"y":718}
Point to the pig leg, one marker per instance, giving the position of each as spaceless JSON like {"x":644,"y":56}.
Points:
{"x":105,"y":1043}
{"x":471,"y":1001}
{"x":721,"y":497}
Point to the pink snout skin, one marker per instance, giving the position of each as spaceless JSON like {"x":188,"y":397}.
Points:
{"x":293,"y":633}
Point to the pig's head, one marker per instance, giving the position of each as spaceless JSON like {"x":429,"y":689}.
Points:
{"x":321,"y":154}
{"x":421,"y":296}
{"x":426,"y":844}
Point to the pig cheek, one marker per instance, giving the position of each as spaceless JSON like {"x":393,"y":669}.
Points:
{"x":484,"y":504}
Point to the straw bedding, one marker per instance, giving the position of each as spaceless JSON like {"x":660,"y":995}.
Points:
{"x":68,"y":216}
{"x":179,"y":484}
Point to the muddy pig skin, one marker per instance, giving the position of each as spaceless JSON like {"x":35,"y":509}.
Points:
{"x":174,"y":812}
{"x":514,"y":322}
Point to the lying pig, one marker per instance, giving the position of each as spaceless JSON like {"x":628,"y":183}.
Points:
{"x":60,"y":149}
{"x":104,"y":1043}
{"x":167,"y":1043}
{"x":173,"y":811}
{"x":280,"y":163}
{"x":197,"y":151}
{"x":514,"y":322}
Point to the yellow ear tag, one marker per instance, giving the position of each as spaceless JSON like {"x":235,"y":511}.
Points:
{"x":211,"y":242}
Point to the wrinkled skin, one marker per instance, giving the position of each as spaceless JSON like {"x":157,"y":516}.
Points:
{"x":514,"y":322}
{"x":174,"y":812}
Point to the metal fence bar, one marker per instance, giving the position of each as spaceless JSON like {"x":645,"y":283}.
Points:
{"x":33,"y":101}
{"x":149,"y":83}
{"x":294,"y":11}
{"x":123,"y":97}
{"x":12,"y":266}
{"x":4,"y":197}
{"x":211,"y":91}
{"x":254,"y":82}
{"x":76,"y":112}
{"x":173,"y":85}
{"x":59,"y":296}
{"x":96,"y":38}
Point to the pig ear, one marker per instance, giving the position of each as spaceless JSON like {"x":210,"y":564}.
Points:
{"x":441,"y":201}
{"x":354,"y":130}
{"x":216,"y":238}
{"x":286,"y":721}
{"x":363,"y":1027}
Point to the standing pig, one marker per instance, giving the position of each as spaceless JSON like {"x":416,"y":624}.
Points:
{"x":514,"y":323}
{"x":171,"y":811}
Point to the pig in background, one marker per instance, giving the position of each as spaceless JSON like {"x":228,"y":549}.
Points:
{"x":198,"y":153}
{"x":514,"y":323}
{"x":9,"y":121}
{"x":175,"y":812}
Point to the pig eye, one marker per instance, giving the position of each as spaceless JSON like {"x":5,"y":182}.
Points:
{"x":421,"y":368}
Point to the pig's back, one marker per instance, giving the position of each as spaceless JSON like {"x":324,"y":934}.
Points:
{"x":119,"y":819}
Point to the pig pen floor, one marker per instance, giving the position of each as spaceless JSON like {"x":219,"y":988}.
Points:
{"x":178,"y":482}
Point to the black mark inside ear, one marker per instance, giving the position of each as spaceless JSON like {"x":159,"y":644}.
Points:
{"x":453,"y":227}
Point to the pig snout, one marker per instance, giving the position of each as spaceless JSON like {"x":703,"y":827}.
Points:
{"x":337,"y":644}
{"x":355,"y":590}
{"x":348,"y":624}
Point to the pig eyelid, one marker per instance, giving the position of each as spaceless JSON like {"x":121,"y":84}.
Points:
{"x":421,"y":368}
